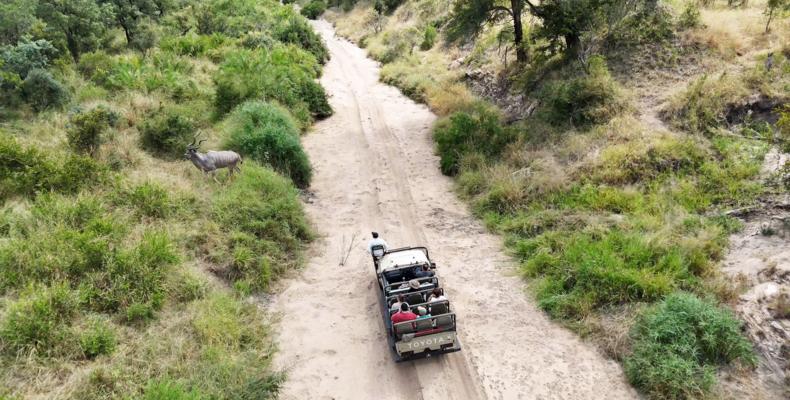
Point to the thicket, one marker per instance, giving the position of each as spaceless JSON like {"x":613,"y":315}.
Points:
{"x":99,"y":242}
{"x":266,"y":133}
{"x":314,"y":9}
{"x":679,"y":342}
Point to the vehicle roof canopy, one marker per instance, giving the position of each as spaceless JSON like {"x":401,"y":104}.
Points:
{"x":403,"y":258}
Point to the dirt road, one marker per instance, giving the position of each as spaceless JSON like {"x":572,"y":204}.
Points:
{"x":375,"y":170}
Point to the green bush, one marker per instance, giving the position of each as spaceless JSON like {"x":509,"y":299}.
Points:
{"x":677,"y":345}
{"x":297,"y":31}
{"x":96,"y":67}
{"x":593,"y":98}
{"x":40,"y":320}
{"x":192,"y":44}
{"x":314,"y":9}
{"x":285,"y":74}
{"x":42,"y":91}
{"x":85,"y":134}
{"x":429,"y":38}
{"x":149,"y":200}
{"x":261,"y":131}
{"x":26,"y":171}
{"x":266,"y":224}
{"x":478,"y":130}
{"x":97,"y":339}
{"x":167,"y":132}
{"x":27,"y":56}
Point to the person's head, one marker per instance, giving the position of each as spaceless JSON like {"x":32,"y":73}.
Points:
{"x":404,"y":307}
{"x":414,"y":284}
{"x":375,"y":235}
{"x":401,"y":298}
{"x":421,"y":310}
{"x":437,"y":292}
{"x":425,"y":267}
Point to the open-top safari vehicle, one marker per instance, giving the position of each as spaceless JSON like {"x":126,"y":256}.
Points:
{"x":397,"y":274}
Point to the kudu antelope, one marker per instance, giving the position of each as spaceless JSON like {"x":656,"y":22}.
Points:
{"x":210,"y":161}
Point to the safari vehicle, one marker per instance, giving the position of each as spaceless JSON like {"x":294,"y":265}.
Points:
{"x":420,"y":338}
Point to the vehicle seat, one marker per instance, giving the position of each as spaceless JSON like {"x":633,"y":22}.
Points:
{"x":404,"y":327}
{"x":444,"y":321}
{"x":415,"y":298}
{"x":424,"y":324}
{"x":438,"y":308}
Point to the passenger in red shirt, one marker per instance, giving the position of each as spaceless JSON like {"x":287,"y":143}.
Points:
{"x":404,"y":314}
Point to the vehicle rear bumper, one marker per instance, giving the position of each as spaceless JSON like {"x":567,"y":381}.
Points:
{"x":404,"y":352}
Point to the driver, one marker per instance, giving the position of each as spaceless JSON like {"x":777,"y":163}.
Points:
{"x":376,"y":241}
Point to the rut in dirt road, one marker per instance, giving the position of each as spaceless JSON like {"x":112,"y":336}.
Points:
{"x":375,"y":170}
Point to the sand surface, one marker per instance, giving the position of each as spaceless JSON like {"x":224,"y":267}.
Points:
{"x":375,"y":170}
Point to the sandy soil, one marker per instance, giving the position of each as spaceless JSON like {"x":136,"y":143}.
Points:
{"x":375,"y":170}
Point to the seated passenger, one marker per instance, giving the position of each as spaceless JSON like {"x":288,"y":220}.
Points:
{"x":423,"y":272}
{"x":403,"y":315}
{"x":437,"y":295}
{"x":423,"y":313}
{"x":396,"y":305}
{"x":412,"y":284}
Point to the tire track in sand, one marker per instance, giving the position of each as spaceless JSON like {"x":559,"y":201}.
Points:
{"x":375,"y":169}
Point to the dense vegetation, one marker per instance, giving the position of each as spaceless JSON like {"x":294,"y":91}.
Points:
{"x":123,"y":269}
{"x":611,"y":218}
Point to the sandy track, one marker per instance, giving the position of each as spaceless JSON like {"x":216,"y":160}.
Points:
{"x":375,"y":170}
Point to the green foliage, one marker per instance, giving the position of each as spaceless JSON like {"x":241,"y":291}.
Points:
{"x":17,"y":18}
{"x":593,"y":98}
{"x":193,"y":44}
{"x":167,"y":132}
{"x":26,"y":56}
{"x":97,"y":339}
{"x":149,"y":200}
{"x":262,"y":132}
{"x":77,"y":25}
{"x":314,"y":9}
{"x":478,"y":130}
{"x":266,"y":224}
{"x":85,"y":134}
{"x":677,"y":345}
{"x":296,"y":30}
{"x":783,"y":126}
{"x":27,"y":171}
{"x":703,"y":106}
{"x":429,"y":38}
{"x":42,"y":91}
{"x":690,"y":18}
{"x":392,"y":5}
{"x":39,"y":321}
{"x":285,"y":74}
{"x":169,"y":390}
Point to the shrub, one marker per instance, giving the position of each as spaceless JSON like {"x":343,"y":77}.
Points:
{"x":392,"y":5}
{"x":678,"y":343}
{"x":314,"y":9}
{"x":285,"y":74}
{"x":268,"y":226}
{"x":258,"y":131}
{"x":149,"y":200}
{"x":167,"y":132}
{"x":478,"y":130}
{"x":38,"y":321}
{"x":42,"y":91}
{"x":297,"y":31}
{"x":27,"y":56}
{"x":429,"y":38}
{"x":690,"y":18}
{"x":703,"y":106}
{"x":25,"y":171}
{"x":85,"y":134}
{"x":593,"y":98}
{"x":97,"y":67}
{"x":193,"y":45}
{"x":98,"y":339}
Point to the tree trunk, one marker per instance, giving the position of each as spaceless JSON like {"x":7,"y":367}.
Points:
{"x":74,"y":47}
{"x":518,"y":31}
{"x":572,"y":43}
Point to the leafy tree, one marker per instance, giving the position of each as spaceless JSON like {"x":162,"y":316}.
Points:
{"x":773,"y":8}
{"x":130,"y":13}
{"x":26,"y":56}
{"x":469,"y":17}
{"x":79,"y":23}
{"x":16,"y":19}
